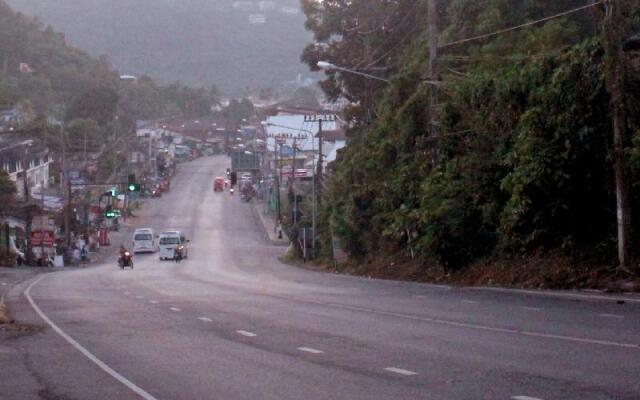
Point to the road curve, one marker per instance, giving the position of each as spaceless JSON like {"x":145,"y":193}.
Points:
{"x":232,"y":322}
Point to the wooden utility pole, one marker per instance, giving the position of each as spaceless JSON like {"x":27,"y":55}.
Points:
{"x":614,"y":30}
{"x":433,"y":73}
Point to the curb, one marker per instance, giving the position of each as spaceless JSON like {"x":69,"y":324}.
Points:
{"x":259,"y":219}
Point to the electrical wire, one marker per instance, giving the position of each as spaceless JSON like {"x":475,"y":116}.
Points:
{"x":514,"y":28}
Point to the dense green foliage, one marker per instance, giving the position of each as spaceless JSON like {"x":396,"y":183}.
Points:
{"x":523,"y":160}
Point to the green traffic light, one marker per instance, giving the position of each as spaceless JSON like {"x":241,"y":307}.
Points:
{"x":132,"y":188}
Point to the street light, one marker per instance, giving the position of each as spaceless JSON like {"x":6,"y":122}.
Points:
{"x":327,"y":66}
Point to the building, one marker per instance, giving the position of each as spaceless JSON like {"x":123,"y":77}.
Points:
{"x":293,"y":127}
{"x":20,"y":155}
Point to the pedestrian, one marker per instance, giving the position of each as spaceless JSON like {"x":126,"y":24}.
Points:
{"x":84,"y":254}
{"x":75,"y":255}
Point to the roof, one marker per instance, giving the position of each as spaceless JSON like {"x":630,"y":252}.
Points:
{"x":295,"y":126}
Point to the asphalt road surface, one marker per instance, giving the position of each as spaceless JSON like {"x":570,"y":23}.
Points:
{"x":233,"y":322}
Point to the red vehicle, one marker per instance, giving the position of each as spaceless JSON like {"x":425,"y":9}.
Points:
{"x":218,"y":184}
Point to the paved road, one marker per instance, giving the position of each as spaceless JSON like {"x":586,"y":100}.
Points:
{"x":232,"y":322}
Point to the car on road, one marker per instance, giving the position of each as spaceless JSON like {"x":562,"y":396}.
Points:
{"x":169,"y":240}
{"x":144,"y":241}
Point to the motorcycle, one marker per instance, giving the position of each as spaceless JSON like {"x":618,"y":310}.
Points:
{"x":125,"y":260}
{"x":178,"y":253}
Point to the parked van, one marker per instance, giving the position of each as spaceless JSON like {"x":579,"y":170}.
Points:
{"x":144,"y":241}
{"x":169,"y":240}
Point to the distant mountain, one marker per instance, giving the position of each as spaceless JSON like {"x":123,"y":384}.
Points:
{"x":233,"y":44}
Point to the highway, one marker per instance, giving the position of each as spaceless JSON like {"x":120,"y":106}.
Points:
{"x":233,"y":322}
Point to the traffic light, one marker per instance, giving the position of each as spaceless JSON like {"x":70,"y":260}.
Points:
{"x":132,"y":186}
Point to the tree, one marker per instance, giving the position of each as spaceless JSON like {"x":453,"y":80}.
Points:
{"x":97,"y":103}
{"x":7,"y":192}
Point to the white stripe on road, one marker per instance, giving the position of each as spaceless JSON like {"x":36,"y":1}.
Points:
{"x":4,"y":283}
{"x":136,"y":389}
{"x":630,"y":299}
{"x":310,"y":350}
{"x":612,"y":316}
{"x":532,"y":308}
{"x":401,"y":371}
{"x":176,"y":309}
{"x":205,"y":319}
{"x":154,"y":301}
{"x":470,"y":301}
{"x":525,"y":398}
{"x":246,"y":333}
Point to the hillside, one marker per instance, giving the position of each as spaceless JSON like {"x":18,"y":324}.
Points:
{"x":195,"y":41}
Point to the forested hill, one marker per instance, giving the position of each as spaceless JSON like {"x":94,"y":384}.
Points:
{"x":519,"y":186}
{"x":195,"y":41}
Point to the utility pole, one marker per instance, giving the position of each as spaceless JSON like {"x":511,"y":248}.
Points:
{"x":614,"y":29}
{"x":293,"y":183}
{"x":277,"y":176}
{"x":25,"y":183}
{"x":432,"y":15}
{"x":319,"y":119}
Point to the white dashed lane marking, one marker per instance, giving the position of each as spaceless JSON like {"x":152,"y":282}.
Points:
{"x":205,"y":319}
{"x":532,"y":308}
{"x":4,"y":283}
{"x":525,"y":398}
{"x":616,"y":316}
{"x":176,"y":309}
{"x":247,"y":333}
{"x":153,"y":301}
{"x":310,"y":350}
{"x":401,"y":371}
{"x":470,"y":301}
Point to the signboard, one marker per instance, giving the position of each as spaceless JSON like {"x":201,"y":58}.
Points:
{"x":300,"y":173}
{"x":43,"y":222}
{"x":39,"y":238}
{"x":286,"y":151}
{"x":241,"y":161}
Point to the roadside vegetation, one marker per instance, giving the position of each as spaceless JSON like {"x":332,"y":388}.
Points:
{"x":519,"y":186}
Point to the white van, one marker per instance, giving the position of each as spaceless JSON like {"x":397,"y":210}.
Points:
{"x":169,"y":240}
{"x":143,"y":241}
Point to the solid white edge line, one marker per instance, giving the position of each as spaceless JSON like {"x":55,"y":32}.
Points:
{"x":136,"y":389}
{"x":401,"y":371}
{"x":468,"y":325}
{"x":556,"y":294}
{"x":616,"y":316}
{"x":310,"y":350}
{"x":246,"y":333}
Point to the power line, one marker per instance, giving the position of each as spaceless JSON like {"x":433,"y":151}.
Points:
{"x":514,"y":28}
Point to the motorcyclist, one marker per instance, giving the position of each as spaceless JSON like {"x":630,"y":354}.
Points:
{"x":123,"y":250}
